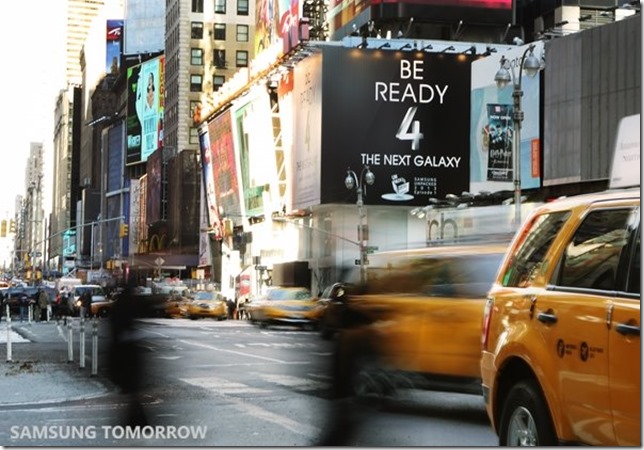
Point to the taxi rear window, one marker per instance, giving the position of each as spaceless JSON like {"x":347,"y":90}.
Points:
{"x":537,"y":238}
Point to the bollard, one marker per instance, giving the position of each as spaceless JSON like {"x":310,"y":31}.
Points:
{"x":81,"y":343}
{"x":70,"y":341}
{"x":8,"y":334}
{"x":30,"y":313}
{"x":95,"y":347}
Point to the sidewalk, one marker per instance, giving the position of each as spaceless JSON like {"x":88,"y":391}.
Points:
{"x":39,"y":371}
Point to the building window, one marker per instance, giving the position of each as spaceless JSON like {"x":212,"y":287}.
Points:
{"x":241,"y":58}
{"x":242,"y":33}
{"x":197,"y":6}
{"x":242,"y":7}
{"x":196,"y":82}
{"x":217,"y":82}
{"x":194,"y":136}
{"x":197,"y":30}
{"x":220,"y":6}
{"x":196,"y":56}
{"x":219,"y":58}
{"x":220,"y":32}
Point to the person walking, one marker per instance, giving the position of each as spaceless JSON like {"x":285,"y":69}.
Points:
{"x":44,"y":308}
{"x":86,"y":302}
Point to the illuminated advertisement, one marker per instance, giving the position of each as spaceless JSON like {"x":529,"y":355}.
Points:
{"x":275,"y":21}
{"x":253,"y":131}
{"x":145,"y":109}
{"x":404,"y":114}
{"x":134,"y":227}
{"x":113,"y":46}
{"x":224,"y":166}
{"x":492,"y":126}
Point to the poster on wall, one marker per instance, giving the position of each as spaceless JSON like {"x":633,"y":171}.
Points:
{"x":224,"y":166}
{"x":492,"y":126}
{"x":145,"y":109}
{"x":307,"y":132}
{"x":403,"y":114}
{"x":499,"y":142}
{"x":114,"y":34}
{"x":208,"y":177}
{"x":285,"y":167}
{"x":254,"y":143}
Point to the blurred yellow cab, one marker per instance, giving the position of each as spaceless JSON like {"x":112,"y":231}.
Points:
{"x":206,"y":304}
{"x":285,"y":306}
{"x":417,"y":321}
{"x":561,"y":350}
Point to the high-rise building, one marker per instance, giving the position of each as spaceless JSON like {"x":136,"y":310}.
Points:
{"x":66,"y":138}
{"x":207,"y":42}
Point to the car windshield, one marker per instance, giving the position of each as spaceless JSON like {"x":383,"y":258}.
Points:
{"x":204,"y":296}
{"x":94,"y":290}
{"x":289,"y":294}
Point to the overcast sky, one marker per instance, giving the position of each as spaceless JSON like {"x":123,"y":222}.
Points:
{"x":32,"y":74}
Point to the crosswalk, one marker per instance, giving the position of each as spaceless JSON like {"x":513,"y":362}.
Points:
{"x":262,"y":383}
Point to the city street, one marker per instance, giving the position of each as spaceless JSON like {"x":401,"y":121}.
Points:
{"x":230,"y":383}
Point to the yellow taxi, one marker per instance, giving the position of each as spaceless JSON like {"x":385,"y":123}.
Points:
{"x":293,"y":306}
{"x":560,"y":339}
{"x":206,"y":304}
{"x":417,"y":321}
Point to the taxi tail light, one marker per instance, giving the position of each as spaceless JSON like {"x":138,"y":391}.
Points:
{"x":487,"y":319}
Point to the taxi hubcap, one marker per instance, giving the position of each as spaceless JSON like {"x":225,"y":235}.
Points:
{"x":522,"y":430}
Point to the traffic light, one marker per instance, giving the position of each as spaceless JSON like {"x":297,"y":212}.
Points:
{"x":3,"y":228}
{"x":12,"y":226}
{"x":123,"y":231}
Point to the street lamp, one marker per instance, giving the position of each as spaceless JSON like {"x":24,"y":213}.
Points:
{"x":503,"y":77}
{"x":358,"y":182}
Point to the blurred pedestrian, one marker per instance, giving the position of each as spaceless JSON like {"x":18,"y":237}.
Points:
{"x":232,"y":308}
{"x":125,"y":354}
{"x":86,"y":303}
{"x":24,"y":302}
{"x":44,"y":308}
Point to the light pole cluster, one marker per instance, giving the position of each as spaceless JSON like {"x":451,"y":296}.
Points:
{"x":353,"y":181}
{"x":504,"y":76}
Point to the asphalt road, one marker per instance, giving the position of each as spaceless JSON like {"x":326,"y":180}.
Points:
{"x":229,"y":383}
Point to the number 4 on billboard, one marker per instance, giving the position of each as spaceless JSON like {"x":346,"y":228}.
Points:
{"x":409,"y":129}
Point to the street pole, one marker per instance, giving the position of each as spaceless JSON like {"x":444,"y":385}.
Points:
{"x":354,"y":181}
{"x":503,"y":77}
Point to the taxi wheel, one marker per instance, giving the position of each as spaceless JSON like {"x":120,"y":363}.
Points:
{"x":369,"y":381}
{"x":103,"y":312}
{"x":525,"y":420}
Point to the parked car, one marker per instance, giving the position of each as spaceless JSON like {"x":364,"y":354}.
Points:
{"x":417,"y":321}
{"x":561,"y":349}
{"x":207,"y":304}
{"x":285,"y":306}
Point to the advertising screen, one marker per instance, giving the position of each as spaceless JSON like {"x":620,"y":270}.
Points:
{"x":405,"y":115}
{"x":145,"y":109}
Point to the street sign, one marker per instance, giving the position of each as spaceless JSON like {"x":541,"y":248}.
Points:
{"x":371,"y":248}
{"x":159,"y":261}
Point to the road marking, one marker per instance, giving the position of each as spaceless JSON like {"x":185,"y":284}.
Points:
{"x":222,"y":386}
{"x":249,"y":355}
{"x":297,"y":383}
{"x":218,"y":386}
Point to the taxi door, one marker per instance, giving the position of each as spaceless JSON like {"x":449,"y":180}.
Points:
{"x":577,"y":310}
{"x":624,"y":355}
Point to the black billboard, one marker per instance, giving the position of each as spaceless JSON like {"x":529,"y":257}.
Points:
{"x":405,"y":114}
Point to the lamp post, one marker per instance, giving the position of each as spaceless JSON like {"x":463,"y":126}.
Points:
{"x":503,"y":77}
{"x":358,"y":182}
